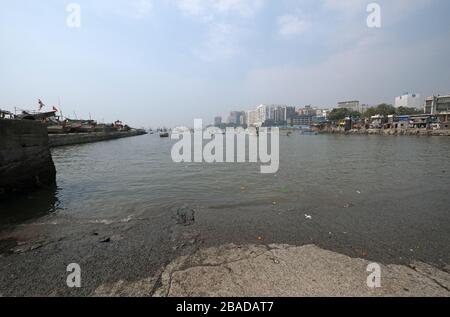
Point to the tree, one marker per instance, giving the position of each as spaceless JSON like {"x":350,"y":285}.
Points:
{"x":382,"y":109}
{"x":404,"y":111}
{"x":342,"y":113}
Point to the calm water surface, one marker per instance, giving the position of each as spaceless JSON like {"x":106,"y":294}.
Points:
{"x":394,"y":191}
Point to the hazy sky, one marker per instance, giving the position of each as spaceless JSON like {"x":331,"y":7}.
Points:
{"x":166,"y":62}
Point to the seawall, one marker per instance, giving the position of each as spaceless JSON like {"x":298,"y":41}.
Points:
{"x":56,"y":140}
{"x":25,"y":159}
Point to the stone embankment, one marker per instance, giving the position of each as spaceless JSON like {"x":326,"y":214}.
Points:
{"x":25,"y":159}
{"x":56,"y":140}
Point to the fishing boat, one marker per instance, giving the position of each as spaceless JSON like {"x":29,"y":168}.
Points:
{"x":163,"y":133}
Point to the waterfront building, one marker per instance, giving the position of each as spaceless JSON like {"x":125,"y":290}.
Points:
{"x":289,"y":112}
{"x":263,"y":113}
{"x":307,"y":111}
{"x":301,"y":120}
{"x":350,"y":105}
{"x":408,"y":100}
{"x":439,"y":106}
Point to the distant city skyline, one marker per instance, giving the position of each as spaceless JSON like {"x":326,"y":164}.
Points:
{"x":161,"y":63}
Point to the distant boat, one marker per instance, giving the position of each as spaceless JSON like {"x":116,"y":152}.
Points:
{"x":163,"y":133}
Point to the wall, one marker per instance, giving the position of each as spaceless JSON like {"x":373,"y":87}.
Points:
{"x":25,"y":159}
{"x":56,"y":140}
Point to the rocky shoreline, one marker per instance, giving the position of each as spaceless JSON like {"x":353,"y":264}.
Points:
{"x":408,"y":132}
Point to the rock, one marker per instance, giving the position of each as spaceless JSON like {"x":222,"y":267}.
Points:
{"x":281,"y":270}
{"x":185,"y":216}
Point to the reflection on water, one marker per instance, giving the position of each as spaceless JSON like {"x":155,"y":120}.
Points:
{"x":23,"y":207}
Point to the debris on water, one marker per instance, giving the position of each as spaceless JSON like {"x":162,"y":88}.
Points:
{"x":349,"y":205}
{"x":105,"y":240}
{"x":259,"y":238}
{"x":358,"y":192}
{"x":274,"y":203}
{"x":309,"y":217}
{"x":284,"y":190}
{"x":185,"y":216}
{"x":243,"y":189}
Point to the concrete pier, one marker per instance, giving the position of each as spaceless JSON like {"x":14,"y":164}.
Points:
{"x":25,"y":159}
{"x":56,"y":140}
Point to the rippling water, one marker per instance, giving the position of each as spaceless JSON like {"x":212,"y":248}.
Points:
{"x":137,"y":174}
{"x":390,"y":187}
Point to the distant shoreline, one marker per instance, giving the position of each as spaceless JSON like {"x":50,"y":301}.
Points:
{"x":396,"y":132}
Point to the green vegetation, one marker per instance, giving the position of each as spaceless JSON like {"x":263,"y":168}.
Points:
{"x":382,"y":109}
{"x":386,"y":110}
{"x":403,"y":111}
{"x":342,"y":113}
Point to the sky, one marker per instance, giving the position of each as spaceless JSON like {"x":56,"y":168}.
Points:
{"x":154,"y":63}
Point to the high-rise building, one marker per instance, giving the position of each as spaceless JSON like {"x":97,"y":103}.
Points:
{"x":307,"y":111}
{"x":263,"y":114}
{"x":408,"y":100}
{"x":217,"y":121}
{"x":252,"y":118}
{"x":236,"y":117}
{"x":350,"y":105}
{"x":438,"y":105}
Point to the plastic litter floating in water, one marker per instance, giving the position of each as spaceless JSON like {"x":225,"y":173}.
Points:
{"x":308,"y":216}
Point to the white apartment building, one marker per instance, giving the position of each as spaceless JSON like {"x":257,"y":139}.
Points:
{"x":350,"y":105}
{"x":408,"y":100}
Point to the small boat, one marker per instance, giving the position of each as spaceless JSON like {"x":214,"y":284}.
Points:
{"x":164,"y":133}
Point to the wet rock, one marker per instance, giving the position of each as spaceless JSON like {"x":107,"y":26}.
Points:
{"x":185,"y":216}
{"x":105,"y":240}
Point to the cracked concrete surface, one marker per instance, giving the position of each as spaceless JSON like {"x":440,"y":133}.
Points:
{"x":283,"y":270}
